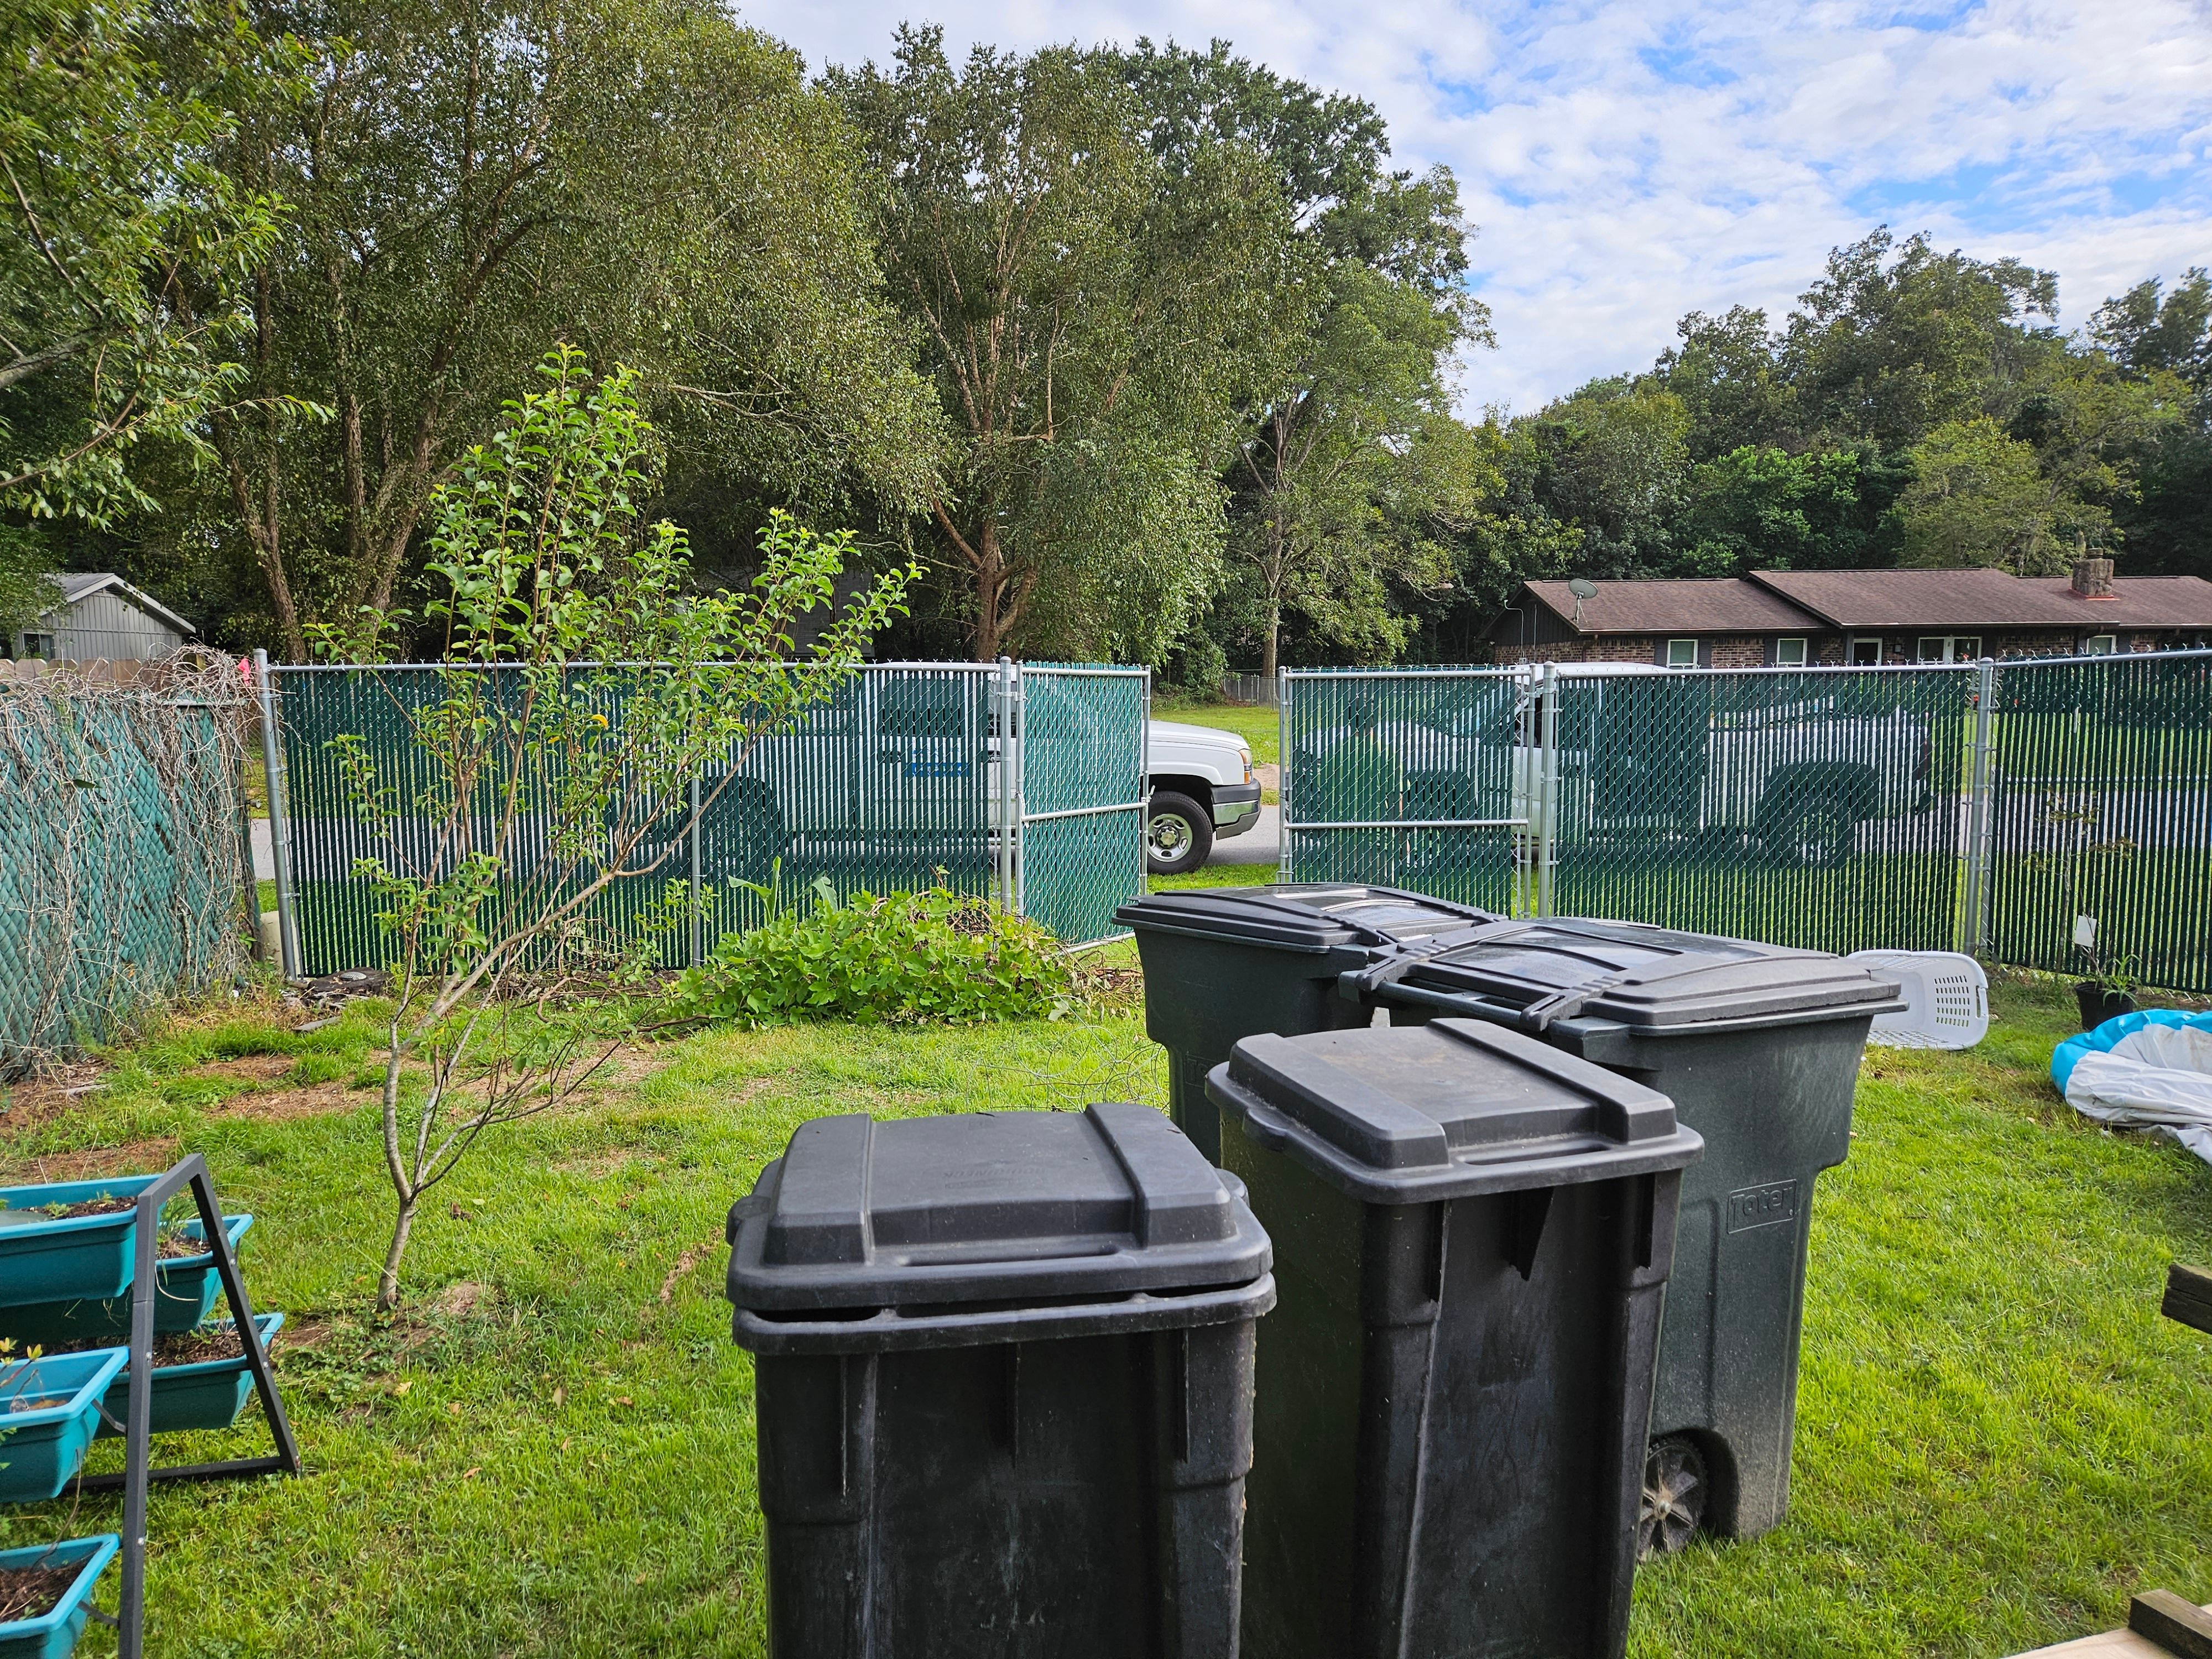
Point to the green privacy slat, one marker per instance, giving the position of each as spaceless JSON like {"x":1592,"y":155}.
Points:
{"x":1082,"y":788}
{"x":884,"y":787}
{"x":1403,"y":778}
{"x":2102,"y":807}
{"x":121,"y":867}
{"x":887,"y":786}
{"x":1824,"y":809}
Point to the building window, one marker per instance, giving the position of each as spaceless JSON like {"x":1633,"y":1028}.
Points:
{"x":1683,"y":653}
{"x":38,"y":645}
{"x":1935,"y":647}
{"x":1865,"y":654}
{"x":1965,"y":647}
{"x":2097,"y":644}
{"x":1790,"y":653}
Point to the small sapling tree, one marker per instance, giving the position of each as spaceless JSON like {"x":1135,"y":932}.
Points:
{"x":583,"y":688}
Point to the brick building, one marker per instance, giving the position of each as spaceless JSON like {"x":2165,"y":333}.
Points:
{"x":1779,"y":618}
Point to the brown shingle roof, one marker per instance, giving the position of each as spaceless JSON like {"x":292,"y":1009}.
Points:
{"x":1987,"y":598}
{"x":1694,"y":605}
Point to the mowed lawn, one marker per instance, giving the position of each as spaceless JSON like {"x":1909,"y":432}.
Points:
{"x":551,"y":1451}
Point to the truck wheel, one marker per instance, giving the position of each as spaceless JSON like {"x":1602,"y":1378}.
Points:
{"x":1178,"y":833}
{"x":1676,"y":1489}
{"x":1813,"y":835}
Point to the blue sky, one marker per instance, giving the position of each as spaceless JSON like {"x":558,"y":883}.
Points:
{"x":1626,"y":161}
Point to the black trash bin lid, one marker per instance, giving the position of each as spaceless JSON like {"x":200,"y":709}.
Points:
{"x":1650,"y":979}
{"x":1027,"y":1208}
{"x":1310,"y":916}
{"x":1449,"y":1110}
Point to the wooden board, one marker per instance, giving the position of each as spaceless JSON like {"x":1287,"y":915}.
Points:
{"x":2189,"y":1297}
{"x":2113,"y":1644}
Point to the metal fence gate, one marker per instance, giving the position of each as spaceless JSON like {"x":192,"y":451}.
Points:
{"x":1004,"y":782}
{"x":2011,"y":809}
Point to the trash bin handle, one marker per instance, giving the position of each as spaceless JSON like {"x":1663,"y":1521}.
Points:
{"x":1359,"y":983}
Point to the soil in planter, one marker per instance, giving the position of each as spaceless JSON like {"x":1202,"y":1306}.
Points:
{"x":171,"y":1243}
{"x":33,"y":1592}
{"x":174,"y":1348}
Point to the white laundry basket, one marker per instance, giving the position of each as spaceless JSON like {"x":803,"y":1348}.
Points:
{"x":1947,"y":1000}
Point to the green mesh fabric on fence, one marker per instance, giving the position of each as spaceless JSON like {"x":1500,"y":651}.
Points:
{"x":1083,"y":796}
{"x":1824,"y":809}
{"x":884,"y":787}
{"x":121,"y":819}
{"x":2102,"y":807}
{"x":1404,"y":779}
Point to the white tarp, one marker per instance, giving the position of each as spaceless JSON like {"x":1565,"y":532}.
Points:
{"x":2157,"y":1076}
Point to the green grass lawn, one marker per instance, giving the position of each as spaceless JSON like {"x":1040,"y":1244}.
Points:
{"x":1259,"y":726}
{"x":551,"y":1452}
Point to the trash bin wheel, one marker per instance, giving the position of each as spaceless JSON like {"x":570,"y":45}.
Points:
{"x":1675,"y":1491}
{"x":1178,"y":833}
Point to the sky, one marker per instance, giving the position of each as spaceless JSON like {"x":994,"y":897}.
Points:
{"x":1624,"y":161}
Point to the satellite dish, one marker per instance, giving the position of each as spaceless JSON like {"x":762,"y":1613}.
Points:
{"x":1583,"y":588}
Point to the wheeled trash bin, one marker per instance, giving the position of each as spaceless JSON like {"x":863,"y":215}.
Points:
{"x":1003,"y":1386}
{"x":1223,"y":963}
{"x":1472,"y":1231}
{"x":1756,"y":1045}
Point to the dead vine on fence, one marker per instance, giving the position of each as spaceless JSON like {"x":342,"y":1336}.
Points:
{"x":121,"y":819}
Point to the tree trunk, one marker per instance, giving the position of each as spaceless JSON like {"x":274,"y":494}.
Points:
{"x":990,"y":593}
{"x":1270,"y":640}
{"x":387,"y":1283}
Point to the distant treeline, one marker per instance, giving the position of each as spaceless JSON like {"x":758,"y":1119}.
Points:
{"x":1145,"y":353}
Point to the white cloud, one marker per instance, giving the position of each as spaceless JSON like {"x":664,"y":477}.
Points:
{"x":1627,"y":160}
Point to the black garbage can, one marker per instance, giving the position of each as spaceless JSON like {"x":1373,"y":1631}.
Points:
{"x":1758,"y":1046}
{"x":1472,"y":1232}
{"x":1223,"y":963}
{"x":1003,"y":1386}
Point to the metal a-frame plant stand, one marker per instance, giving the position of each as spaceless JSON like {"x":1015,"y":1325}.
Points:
{"x":138,"y":1429}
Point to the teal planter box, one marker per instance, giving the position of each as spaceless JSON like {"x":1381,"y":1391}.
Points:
{"x":207,"y":1394}
{"x":42,"y":1445}
{"x":48,"y":1259}
{"x":53,"y":1635}
{"x":185,"y":1290}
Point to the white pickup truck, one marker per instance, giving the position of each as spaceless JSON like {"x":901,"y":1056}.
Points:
{"x":1643,"y":755}
{"x":1202,"y":788}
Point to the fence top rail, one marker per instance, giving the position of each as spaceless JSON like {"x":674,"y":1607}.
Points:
{"x":430,"y":667}
{"x":2197,"y":652}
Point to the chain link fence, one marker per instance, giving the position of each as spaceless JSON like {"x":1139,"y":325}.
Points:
{"x":898,"y":781}
{"x":123,"y":816}
{"x":1408,"y":778}
{"x":2014,"y":809}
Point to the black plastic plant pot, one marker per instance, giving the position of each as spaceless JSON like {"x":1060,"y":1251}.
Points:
{"x":54,"y":1633}
{"x":1004,"y":1386}
{"x":186,"y":1289}
{"x":206,"y":1394}
{"x":1473,"y":1232}
{"x":1223,"y":963}
{"x":2097,"y":1005}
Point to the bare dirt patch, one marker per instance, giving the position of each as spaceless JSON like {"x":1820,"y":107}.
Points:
{"x":131,"y":1158}
{"x":246,"y":1068}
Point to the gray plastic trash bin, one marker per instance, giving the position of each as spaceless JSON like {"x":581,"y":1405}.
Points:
{"x":1472,"y":1231}
{"x":1223,"y":963}
{"x":1004,"y":1386}
{"x":1756,"y":1045}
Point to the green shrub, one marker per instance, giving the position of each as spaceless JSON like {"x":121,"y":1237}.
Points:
{"x":904,"y":957}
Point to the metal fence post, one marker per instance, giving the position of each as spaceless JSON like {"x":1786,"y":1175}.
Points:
{"x":698,"y":917}
{"x":280,"y":817}
{"x":1548,"y":773}
{"x":1975,"y":922}
{"x":1018,"y":788}
{"x":1283,"y":776}
{"x":1002,"y":706}
{"x":1145,"y":789}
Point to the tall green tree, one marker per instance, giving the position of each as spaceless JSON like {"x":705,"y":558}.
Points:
{"x":641,"y":178}
{"x":1352,"y":462}
{"x":1092,"y":319}
{"x":119,"y":244}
